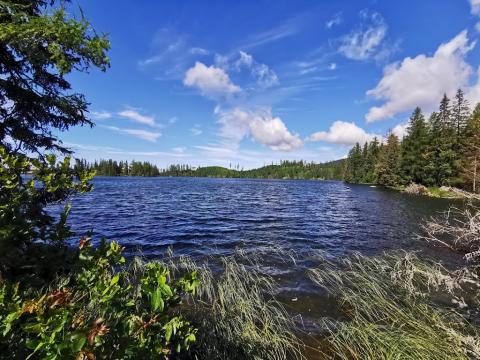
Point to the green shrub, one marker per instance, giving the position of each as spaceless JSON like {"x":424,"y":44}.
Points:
{"x":103,"y":310}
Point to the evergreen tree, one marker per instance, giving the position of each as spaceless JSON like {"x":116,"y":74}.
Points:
{"x":39,"y":46}
{"x":388,"y":164}
{"x":460,"y":116}
{"x":471,"y":151}
{"x":443,"y":160}
{"x":414,"y":149}
{"x":353,"y":169}
{"x":371,"y":161}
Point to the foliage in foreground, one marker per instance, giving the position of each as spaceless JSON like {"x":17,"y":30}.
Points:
{"x":236,"y":313}
{"x":401,"y":307}
{"x":103,"y":310}
{"x":40,"y":43}
{"x":24,"y":220}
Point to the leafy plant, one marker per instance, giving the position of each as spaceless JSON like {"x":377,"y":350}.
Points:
{"x":103,"y":310}
{"x":27,"y":187}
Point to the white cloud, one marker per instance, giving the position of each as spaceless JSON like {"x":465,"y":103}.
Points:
{"x":210,"y":80}
{"x":400,"y":130}
{"x":343,"y":133}
{"x":244,"y":60}
{"x":134,"y":115}
{"x":172,"y":120}
{"x":199,"y":51}
{"x":179,"y":150}
{"x":196,"y":131}
{"x":332,"y":66}
{"x":258,"y":124}
{"x":365,"y":42}
{"x":264,"y":76}
{"x":101,"y":115}
{"x":477,"y":26}
{"x":421,"y":81}
{"x":475,"y":7}
{"x":337,"y":19}
{"x":141,"y":134}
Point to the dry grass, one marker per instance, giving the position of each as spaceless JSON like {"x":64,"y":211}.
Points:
{"x":457,"y":229}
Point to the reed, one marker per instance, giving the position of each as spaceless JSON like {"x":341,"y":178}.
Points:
{"x":235,"y":311}
{"x":397,"y":306}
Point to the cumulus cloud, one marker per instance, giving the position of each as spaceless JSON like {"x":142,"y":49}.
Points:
{"x":475,"y":7}
{"x":134,"y":115}
{"x":343,"y":133}
{"x":141,"y":134}
{"x":337,"y":19}
{"x":365,"y":42}
{"x":259,"y":125}
{"x":421,"y":81}
{"x":210,"y":80}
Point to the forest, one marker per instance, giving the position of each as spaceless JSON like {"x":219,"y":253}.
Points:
{"x":118,"y":168}
{"x":332,"y":170}
{"x":441,"y":151}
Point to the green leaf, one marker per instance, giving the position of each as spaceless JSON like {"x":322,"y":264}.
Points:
{"x":156,"y":300}
{"x":114,"y":279}
{"x":78,"y":340}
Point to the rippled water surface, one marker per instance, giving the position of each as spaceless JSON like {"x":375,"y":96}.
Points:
{"x":204,"y":217}
{"x":201,"y":216}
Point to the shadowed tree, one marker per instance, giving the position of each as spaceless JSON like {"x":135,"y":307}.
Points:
{"x":40,"y":44}
{"x":389,"y":161}
{"x":471,"y":151}
{"x":414,"y":149}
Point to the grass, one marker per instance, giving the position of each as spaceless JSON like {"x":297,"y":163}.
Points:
{"x":236,"y":313}
{"x":399,"y":307}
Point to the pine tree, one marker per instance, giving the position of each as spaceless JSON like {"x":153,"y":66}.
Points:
{"x":471,"y":151}
{"x":389,"y":161}
{"x":460,"y":116}
{"x":354,"y":164}
{"x":414,"y":149}
{"x":443,"y":160}
{"x":371,"y":161}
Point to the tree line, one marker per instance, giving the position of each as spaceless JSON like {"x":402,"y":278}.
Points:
{"x":443,"y":150}
{"x":121,"y":168}
{"x":284,"y":170}
{"x":332,"y":170}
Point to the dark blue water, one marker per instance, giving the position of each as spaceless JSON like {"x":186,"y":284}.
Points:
{"x":203,"y":217}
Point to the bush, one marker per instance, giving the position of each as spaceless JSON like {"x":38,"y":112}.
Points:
{"x":23,"y":201}
{"x":103,"y":310}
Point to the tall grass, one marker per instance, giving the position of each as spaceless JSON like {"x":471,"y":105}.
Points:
{"x":399,"y":307}
{"x":236,"y":313}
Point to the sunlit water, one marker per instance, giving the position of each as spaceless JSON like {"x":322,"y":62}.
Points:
{"x":203,"y":217}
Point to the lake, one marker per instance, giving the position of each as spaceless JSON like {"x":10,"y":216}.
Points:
{"x":203,"y":217}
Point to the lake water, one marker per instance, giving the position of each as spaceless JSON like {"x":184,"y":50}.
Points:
{"x":203,"y":217}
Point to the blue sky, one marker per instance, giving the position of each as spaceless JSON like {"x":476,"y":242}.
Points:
{"x":251,"y":82}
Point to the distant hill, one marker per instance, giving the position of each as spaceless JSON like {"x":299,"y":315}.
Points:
{"x":332,"y":170}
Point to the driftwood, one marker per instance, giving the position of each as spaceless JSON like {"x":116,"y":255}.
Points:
{"x":457,"y":229}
